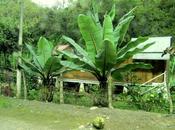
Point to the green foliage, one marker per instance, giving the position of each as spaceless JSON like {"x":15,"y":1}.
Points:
{"x":33,"y":94}
{"x":152,"y":17}
{"x":82,"y":99}
{"x":123,"y":104}
{"x":104,"y":54}
{"x":4,"y":103}
{"x":172,"y":71}
{"x":44,"y":65}
{"x":42,"y":61}
{"x":98,"y":122}
{"x":152,"y":101}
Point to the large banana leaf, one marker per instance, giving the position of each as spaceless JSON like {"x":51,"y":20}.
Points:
{"x":92,"y":34}
{"x":72,"y":65}
{"x":122,"y":27}
{"x":27,"y":69}
{"x":108,"y":29}
{"x":60,"y":71}
{"x":94,"y":13}
{"x":52,"y":65}
{"x":70,"y":54}
{"x":130,"y":53}
{"x":130,"y":45}
{"x":130,"y":13}
{"x":44,"y":50}
{"x":121,"y":30}
{"x":112,"y":12}
{"x":34,"y":56}
{"x":81,"y":59}
{"x":105,"y":60}
{"x":79,"y":49}
{"x":30,"y":67}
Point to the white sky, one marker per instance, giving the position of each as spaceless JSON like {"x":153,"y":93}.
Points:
{"x":50,"y":3}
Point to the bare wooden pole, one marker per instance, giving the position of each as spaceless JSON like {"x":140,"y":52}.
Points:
{"x":20,"y":40}
{"x":110,"y":92}
{"x":60,"y":85}
{"x":25,"y":85}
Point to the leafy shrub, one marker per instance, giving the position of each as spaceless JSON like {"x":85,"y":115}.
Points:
{"x":33,"y":94}
{"x":83,"y":99}
{"x":37,"y":94}
{"x":152,"y":101}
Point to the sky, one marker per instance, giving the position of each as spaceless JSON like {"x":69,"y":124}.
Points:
{"x":50,"y":3}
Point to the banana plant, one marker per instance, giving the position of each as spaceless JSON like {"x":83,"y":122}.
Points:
{"x":44,"y":65}
{"x":104,"y":54}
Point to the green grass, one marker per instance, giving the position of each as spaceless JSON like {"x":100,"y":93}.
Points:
{"x":16,"y":114}
{"x":4,"y":103}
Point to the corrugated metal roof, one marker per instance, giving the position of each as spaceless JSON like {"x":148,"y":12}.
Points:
{"x":155,"y":51}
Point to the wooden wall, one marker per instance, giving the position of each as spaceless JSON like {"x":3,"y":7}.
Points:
{"x":75,"y":74}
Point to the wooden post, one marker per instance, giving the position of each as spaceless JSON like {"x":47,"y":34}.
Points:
{"x":168,"y":87}
{"x":81,"y":89}
{"x":61,"y":91}
{"x":110,"y":92}
{"x":25,"y":86}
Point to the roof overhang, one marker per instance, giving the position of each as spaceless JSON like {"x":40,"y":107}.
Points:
{"x":155,"y":51}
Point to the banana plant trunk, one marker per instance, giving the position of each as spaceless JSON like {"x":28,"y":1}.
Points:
{"x":105,"y":93}
{"x":102,"y":99}
{"x":47,"y":91}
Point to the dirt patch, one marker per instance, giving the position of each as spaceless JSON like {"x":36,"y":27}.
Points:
{"x":34,"y":115}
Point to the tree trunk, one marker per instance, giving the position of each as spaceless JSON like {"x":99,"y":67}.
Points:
{"x":104,"y":97}
{"x":19,"y":76}
{"x":47,"y":90}
{"x":101,"y":98}
{"x":44,"y":93}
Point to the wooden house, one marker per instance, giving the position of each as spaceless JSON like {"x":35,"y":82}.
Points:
{"x":153,"y":56}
